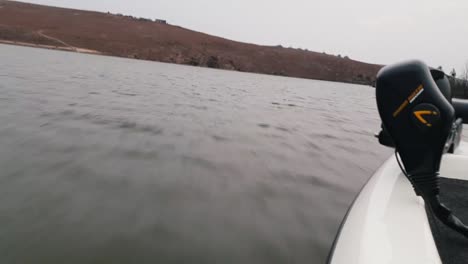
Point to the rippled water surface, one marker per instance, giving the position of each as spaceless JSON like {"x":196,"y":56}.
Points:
{"x":108,"y":160}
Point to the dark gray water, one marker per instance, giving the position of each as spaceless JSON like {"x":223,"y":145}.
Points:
{"x":108,"y":160}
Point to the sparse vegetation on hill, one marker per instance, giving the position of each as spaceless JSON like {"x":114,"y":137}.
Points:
{"x":18,"y":34}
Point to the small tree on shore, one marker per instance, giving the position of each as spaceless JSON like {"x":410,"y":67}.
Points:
{"x":464,"y":75}
{"x":453,"y":73}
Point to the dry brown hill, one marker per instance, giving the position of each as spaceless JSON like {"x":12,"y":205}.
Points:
{"x":126,"y":36}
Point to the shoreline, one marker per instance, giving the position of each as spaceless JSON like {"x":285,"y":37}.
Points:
{"x":93,"y":52}
{"x":50,"y":47}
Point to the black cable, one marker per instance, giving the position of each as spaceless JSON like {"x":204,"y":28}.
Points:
{"x":415,"y":186}
{"x":399,"y":164}
{"x":436,"y":208}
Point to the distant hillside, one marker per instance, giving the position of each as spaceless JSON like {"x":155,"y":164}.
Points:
{"x":125,"y":36}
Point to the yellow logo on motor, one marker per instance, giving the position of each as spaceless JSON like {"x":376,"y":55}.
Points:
{"x":419,"y":115}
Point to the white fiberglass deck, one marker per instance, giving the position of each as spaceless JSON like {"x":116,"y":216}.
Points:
{"x":388,"y":222}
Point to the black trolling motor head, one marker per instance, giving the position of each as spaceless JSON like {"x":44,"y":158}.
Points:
{"x":419,"y":119}
{"x":417,"y":116}
{"x":461,"y":112}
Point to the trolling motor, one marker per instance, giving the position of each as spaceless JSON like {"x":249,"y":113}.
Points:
{"x":420,"y":122}
{"x":461,"y":111}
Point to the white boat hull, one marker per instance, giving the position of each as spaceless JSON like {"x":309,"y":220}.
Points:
{"x":387,"y":223}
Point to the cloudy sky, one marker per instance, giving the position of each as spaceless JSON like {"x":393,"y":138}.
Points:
{"x":369,"y":30}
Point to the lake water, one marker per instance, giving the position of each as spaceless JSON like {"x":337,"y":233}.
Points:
{"x":109,"y":160}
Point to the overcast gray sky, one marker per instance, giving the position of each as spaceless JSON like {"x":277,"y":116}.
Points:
{"x":369,"y":30}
